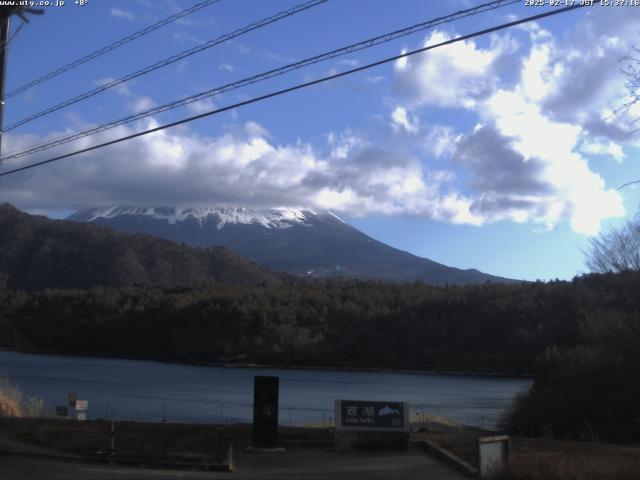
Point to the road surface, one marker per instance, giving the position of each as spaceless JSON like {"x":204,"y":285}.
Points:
{"x":313,"y":463}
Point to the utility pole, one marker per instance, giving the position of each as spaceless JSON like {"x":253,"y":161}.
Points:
{"x":5,"y":21}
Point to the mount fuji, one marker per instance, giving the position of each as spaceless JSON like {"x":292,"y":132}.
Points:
{"x":297,"y":241}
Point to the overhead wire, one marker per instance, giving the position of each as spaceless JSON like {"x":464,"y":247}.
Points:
{"x":625,"y":185}
{"x":168,"y":61}
{"x":110,"y":47}
{"x":354,"y":47}
{"x":300,"y":86}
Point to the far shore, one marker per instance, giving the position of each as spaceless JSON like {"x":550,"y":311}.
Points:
{"x":527,"y":376}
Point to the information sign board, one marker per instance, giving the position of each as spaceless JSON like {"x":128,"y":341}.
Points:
{"x":368,"y":424}
{"x":370,"y":414}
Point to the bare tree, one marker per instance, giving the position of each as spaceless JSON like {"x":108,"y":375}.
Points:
{"x":631,"y":70}
{"x":616,"y":250}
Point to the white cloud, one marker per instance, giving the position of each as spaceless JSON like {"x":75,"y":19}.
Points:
{"x":402,"y":62}
{"x":344,"y":144}
{"x":524,"y":161}
{"x":201,"y":106}
{"x":440,"y":140}
{"x":536,"y":32}
{"x":186,"y":37}
{"x":225,"y":67}
{"x":374,"y":79}
{"x":455,"y":75}
{"x":141,"y":104}
{"x":242,"y":167}
{"x":349,"y":62}
{"x":577,"y":82}
{"x":182,"y":66}
{"x":121,"y":89}
{"x":525,"y":167}
{"x":610,"y":149}
{"x":403,"y":120}
{"x":126,"y":14}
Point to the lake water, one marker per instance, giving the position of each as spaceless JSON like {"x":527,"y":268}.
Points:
{"x":151,"y":391}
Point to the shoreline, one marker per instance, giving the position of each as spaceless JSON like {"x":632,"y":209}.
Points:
{"x":524,"y":376}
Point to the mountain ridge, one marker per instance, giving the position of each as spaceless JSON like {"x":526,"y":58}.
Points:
{"x":297,"y":241}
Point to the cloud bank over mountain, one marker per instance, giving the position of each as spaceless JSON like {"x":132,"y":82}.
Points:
{"x":541,"y":106}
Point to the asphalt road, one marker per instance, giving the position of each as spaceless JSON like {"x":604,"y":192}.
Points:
{"x":24,"y":468}
{"x":300,"y":463}
{"x":319,"y":464}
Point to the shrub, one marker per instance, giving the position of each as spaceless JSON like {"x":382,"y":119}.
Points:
{"x":590,"y":391}
{"x":13,"y":403}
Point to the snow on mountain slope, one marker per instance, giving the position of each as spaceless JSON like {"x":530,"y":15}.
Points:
{"x":272,"y":218}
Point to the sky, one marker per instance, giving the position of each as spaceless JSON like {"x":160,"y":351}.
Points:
{"x":500,"y":153}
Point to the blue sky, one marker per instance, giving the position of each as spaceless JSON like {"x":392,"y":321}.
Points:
{"x":497,"y":153}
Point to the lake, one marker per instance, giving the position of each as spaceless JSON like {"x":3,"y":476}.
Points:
{"x":153,"y":391}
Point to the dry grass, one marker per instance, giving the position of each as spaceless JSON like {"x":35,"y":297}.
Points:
{"x":560,"y":466}
{"x":11,"y":404}
{"x":14,"y":404}
{"x":182,"y":442}
{"x":543,"y":459}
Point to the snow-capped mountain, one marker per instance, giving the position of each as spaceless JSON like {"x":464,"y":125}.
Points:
{"x":272,"y":218}
{"x":297,"y":241}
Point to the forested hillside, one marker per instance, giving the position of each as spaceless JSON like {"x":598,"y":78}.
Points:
{"x":36,"y":253}
{"x":483,"y":328}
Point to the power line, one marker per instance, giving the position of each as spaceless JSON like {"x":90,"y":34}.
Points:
{"x":110,"y":47}
{"x":168,"y":61}
{"x":371,"y":42}
{"x":634,"y":182}
{"x":298,"y":87}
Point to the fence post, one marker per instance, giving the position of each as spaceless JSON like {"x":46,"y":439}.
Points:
{"x":112,"y":439}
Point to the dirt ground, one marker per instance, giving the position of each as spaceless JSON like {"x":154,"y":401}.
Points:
{"x":175,"y":442}
{"x":196,"y":443}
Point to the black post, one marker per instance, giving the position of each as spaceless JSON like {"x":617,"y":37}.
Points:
{"x":265,"y":412}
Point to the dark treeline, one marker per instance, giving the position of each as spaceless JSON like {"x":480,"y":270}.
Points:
{"x":581,"y":339}
{"x":482,"y":328}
